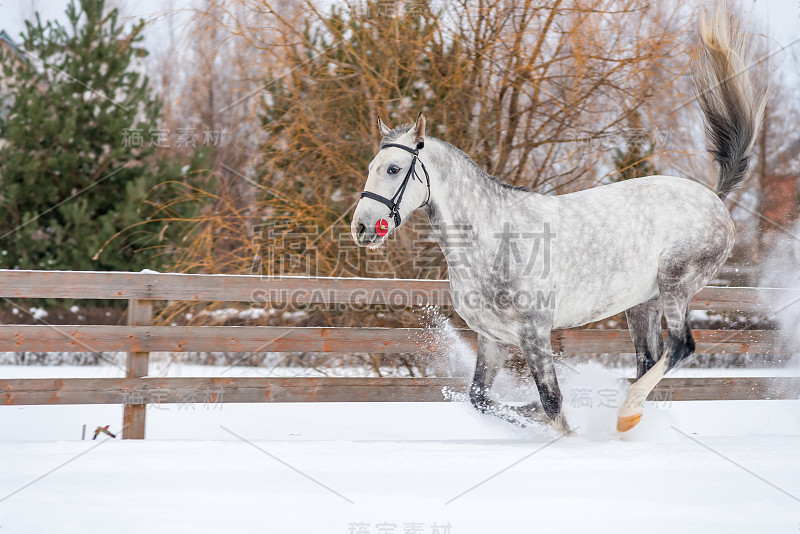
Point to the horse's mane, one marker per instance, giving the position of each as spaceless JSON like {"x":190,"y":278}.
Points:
{"x":402,"y":129}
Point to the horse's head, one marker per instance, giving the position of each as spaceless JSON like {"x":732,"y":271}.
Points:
{"x":397,"y":185}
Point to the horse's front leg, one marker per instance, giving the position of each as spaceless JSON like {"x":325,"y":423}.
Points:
{"x":538,"y":352}
{"x":491,"y":357}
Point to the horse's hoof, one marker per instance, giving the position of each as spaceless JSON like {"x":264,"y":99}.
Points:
{"x":626,"y":423}
{"x":630,"y":413}
{"x":561,"y":426}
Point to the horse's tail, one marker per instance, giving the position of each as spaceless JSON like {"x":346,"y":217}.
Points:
{"x":732,"y":107}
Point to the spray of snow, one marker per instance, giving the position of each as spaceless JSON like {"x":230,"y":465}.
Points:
{"x":592,"y":393}
{"x":450,"y":354}
{"x":781,"y":268}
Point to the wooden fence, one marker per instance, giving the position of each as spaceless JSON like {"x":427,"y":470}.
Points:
{"x":139,"y":338}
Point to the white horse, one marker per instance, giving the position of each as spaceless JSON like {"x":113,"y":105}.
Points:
{"x":522,"y":264}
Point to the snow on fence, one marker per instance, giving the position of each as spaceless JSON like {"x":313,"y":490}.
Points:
{"x":139,"y":338}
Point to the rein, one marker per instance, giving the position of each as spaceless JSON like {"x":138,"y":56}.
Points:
{"x":394,"y":203}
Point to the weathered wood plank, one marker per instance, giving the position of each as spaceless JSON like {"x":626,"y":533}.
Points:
{"x":592,"y":341}
{"x":297,"y":290}
{"x":302,"y":290}
{"x":133,"y":421}
{"x":140,"y":313}
{"x":217,"y":391}
{"x":99,"y":338}
{"x":210,"y":338}
{"x":742,"y":299}
{"x":739,"y":388}
{"x":222,"y":390}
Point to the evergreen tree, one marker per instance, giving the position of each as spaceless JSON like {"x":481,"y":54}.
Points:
{"x":76,"y":153}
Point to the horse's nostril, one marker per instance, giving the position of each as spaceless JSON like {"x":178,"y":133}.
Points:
{"x":362,"y":231}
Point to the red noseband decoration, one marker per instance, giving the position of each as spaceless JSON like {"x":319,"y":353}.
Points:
{"x":382,"y":227}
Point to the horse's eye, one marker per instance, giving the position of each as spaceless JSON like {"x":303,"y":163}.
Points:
{"x":393,"y":170}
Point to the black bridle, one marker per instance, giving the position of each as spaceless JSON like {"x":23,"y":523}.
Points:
{"x":394,"y":203}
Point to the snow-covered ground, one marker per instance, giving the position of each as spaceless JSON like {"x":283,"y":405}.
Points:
{"x":397,"y":468}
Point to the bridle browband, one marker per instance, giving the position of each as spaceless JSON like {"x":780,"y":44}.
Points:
{"x":394,"y":203}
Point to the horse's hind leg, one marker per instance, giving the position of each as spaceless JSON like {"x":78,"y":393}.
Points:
{"x":491,"y":356}
{"x":676,"y":285}
{"x":680,"y":342}
{"x":644,"y":325}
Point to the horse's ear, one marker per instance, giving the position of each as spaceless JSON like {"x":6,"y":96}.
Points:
{"x":382,"y":128}
{"x":419,"y":129}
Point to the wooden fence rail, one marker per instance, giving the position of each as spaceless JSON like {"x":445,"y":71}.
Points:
{"x":139,"y":338}
{"x":304,"y":290}
{"x":204,"y":390}
{"x":144,"y":339}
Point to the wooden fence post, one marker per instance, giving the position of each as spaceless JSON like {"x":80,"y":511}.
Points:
{"x":140,"y":313}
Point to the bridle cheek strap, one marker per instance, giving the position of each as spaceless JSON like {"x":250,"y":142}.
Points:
{"x":394,"y":203}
